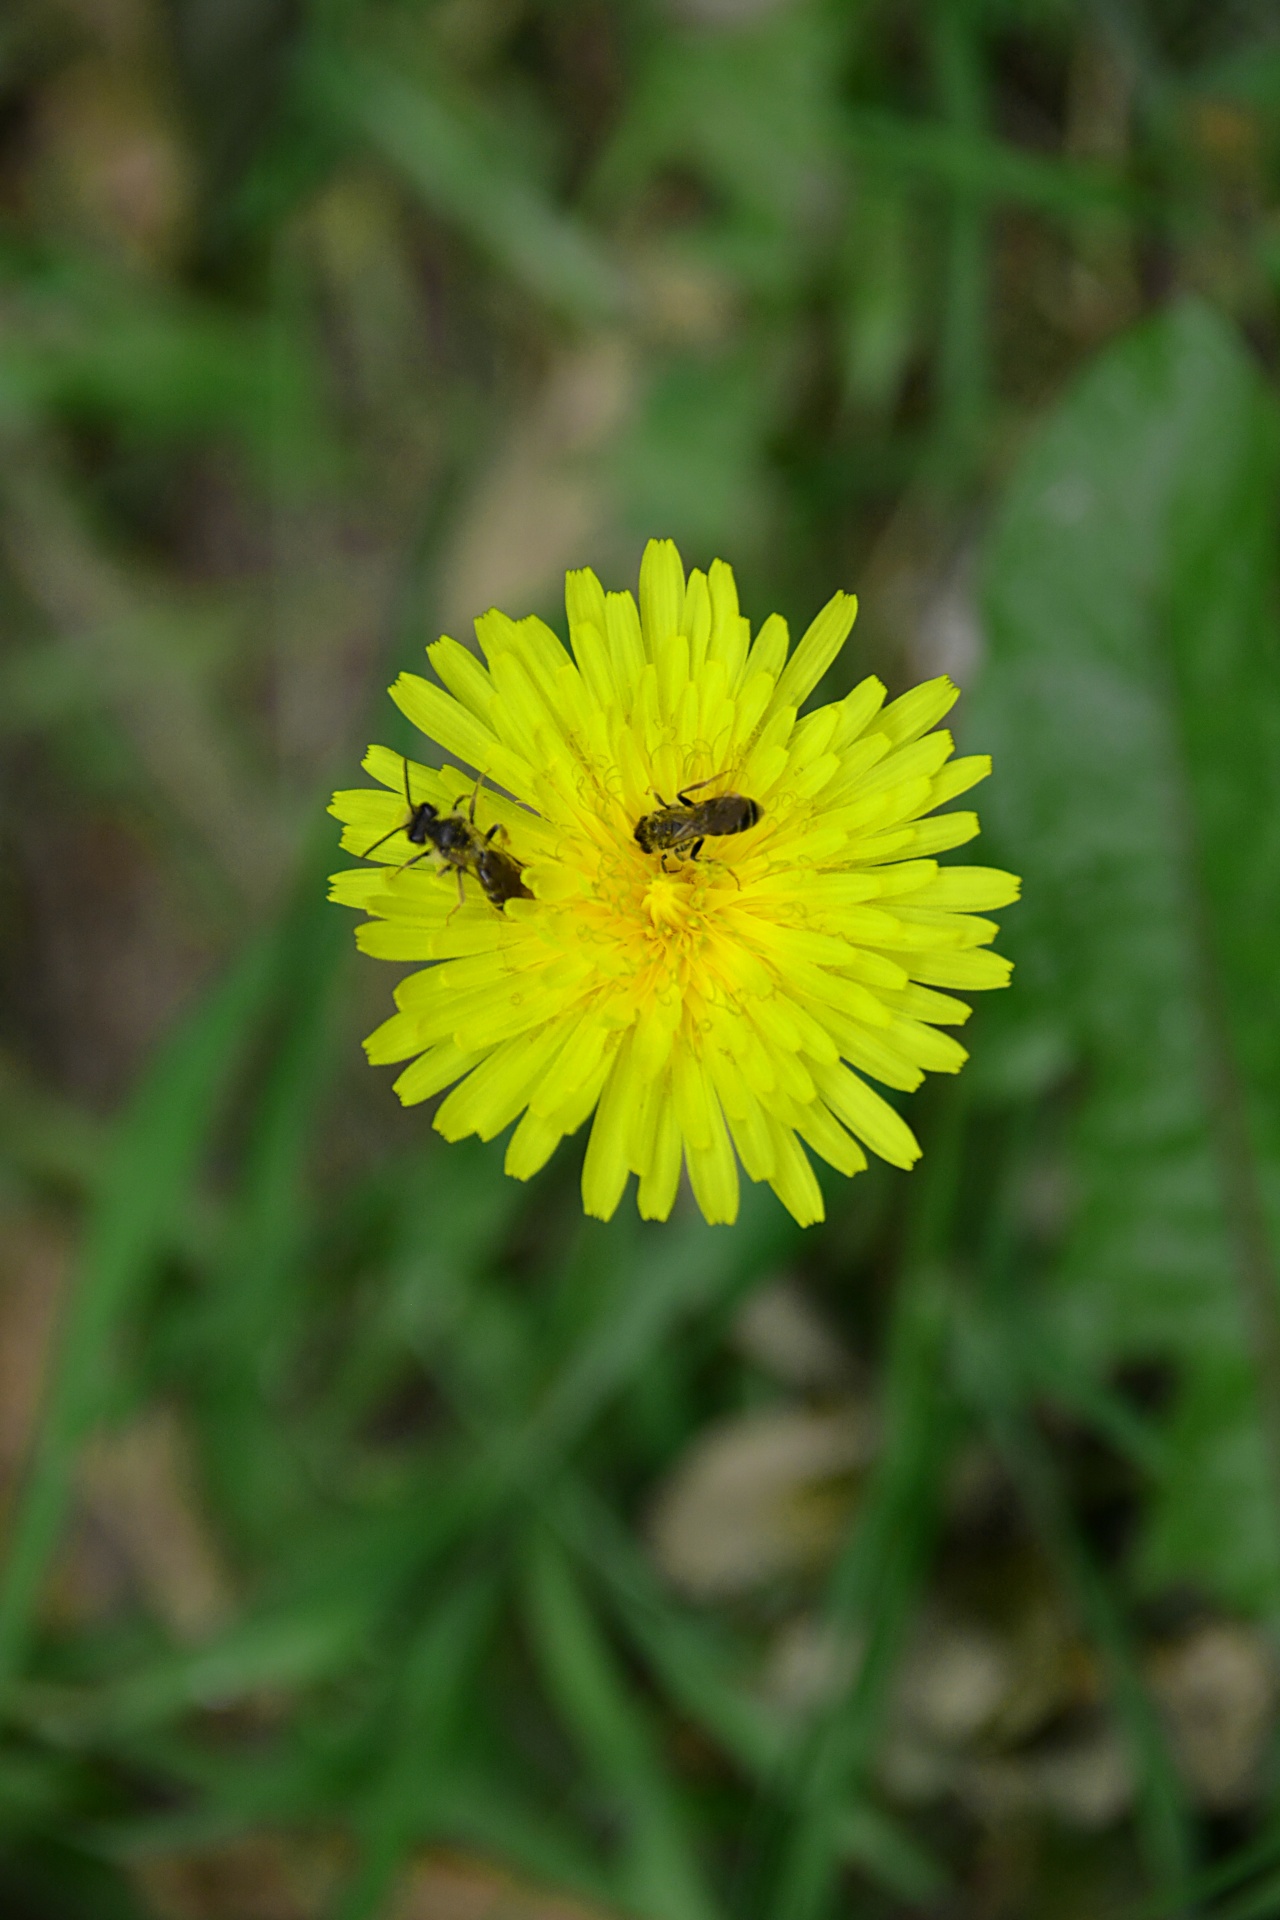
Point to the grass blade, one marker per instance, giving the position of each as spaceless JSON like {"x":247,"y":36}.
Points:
{"x":157,"y":1152}
{"x":661,"y":1873}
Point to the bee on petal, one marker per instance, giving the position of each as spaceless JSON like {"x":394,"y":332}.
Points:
{"x":682,"y":829}
{"x":457,"y":843}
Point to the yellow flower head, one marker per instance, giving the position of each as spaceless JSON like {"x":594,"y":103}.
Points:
{"x":711,"y":1003}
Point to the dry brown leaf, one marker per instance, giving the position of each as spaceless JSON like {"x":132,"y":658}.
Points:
{"x":682,"y":299}
{"x":445,"y":1886}
{"x":270,"y":1876}
{"x":1101,"y":291}
{"x":111,"y":162}
{"x":1216,"y":1688}
{"x":758,"y":1496}
{"x":954,"y":1681}
{"x":35,"y":1252}
{"x":261,"y":1876}
{"x":541,"y":509}
{"x":782,"y":1332}
{"x":972,"y":1690}
{"x":140,"y":1487}
{"x":809,"y":1664}
{"x":1086,"y":1781}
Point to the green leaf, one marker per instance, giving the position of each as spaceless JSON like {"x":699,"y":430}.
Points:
{"x":992,"y":1349}
{"x":429,"y":1693}
{"x":706,"y":1676}
{"x":255,"y":1318}
{"x":875,"y":1588}
{"x":755,"y":111}
{"x":160,"y":366}
{"x":452,"y":155}
{"x":612,"y":1733}
{"x":658,"y":1277}
{"x":692,"y":459}
{"x":981,"y":168}
{"x":1133,"y":708}
{"x":157,"y":1152}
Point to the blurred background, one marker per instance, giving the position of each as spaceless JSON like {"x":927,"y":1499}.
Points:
{"x":380,"y":1538}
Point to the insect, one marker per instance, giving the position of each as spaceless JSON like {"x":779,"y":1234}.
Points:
{"x":457,"y":842}
{"x":682,"y":829}
{"x":498,"y":873}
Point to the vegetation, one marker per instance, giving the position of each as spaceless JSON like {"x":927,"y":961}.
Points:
{"x":385,"y":1539}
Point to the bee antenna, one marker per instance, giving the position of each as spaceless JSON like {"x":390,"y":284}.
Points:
{"x":382,"y":842}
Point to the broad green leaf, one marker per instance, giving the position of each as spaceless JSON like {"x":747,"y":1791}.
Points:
{"x":1132,"y":704}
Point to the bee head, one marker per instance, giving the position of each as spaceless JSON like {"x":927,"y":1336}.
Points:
{"x":421,"y":821}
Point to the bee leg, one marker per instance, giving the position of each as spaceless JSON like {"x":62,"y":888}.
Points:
{"x":461,"y":900}
{"x":414,"y":861}
{"x":697,"y":788}
{"x":696,"y":848}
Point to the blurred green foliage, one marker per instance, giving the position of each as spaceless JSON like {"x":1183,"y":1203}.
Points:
{"x":380,"y":1535}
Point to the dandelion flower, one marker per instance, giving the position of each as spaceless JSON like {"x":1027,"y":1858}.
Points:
{"x":712,"y":1009}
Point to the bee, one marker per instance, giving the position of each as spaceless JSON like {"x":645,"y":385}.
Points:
{"x":682,"y":829}
{"x":457,"y":843}
{"x":498,"y":873}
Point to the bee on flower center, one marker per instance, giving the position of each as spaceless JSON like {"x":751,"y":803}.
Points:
{"x":457,"y":843}
{"x":682,"y":828}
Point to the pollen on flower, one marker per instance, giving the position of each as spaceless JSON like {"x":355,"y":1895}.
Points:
{"x":671,"y":902}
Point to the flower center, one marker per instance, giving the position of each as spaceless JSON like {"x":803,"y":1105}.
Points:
{"x":661,"y":918}
{"x":676,"y":922}
{"x":673,"y":906}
